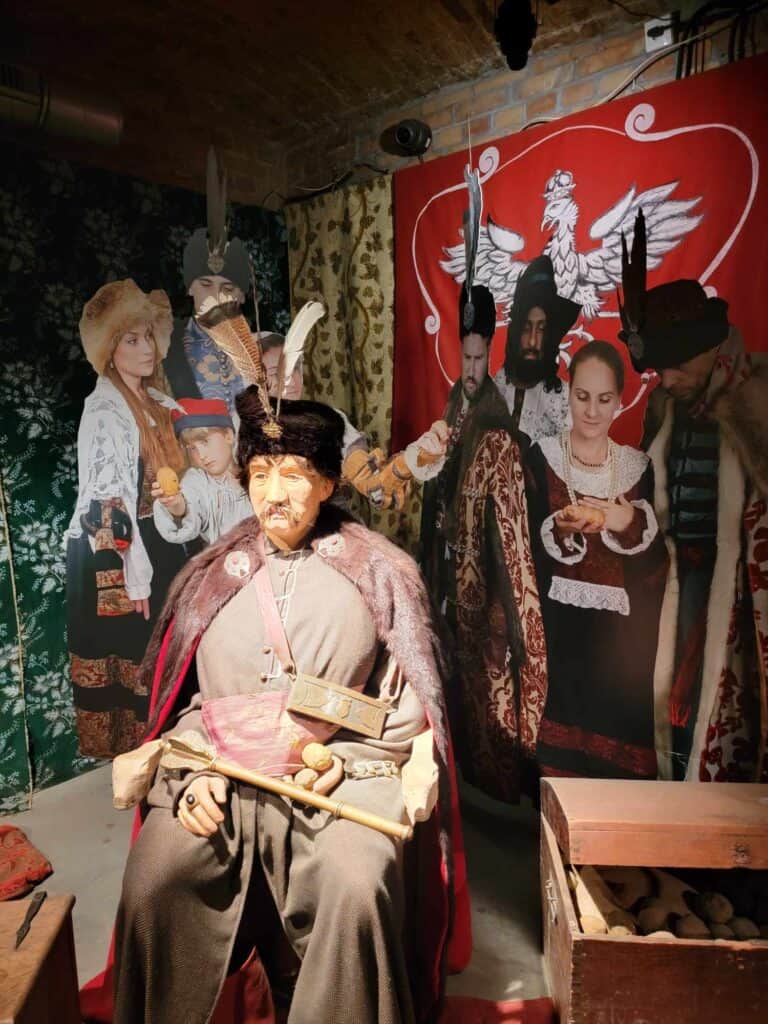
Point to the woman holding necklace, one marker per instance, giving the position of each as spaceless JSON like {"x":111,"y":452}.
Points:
{"x":118,"y":566}
{"x":602,"y":564}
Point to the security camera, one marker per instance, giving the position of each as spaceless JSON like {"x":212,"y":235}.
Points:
{"x":413,"y":137}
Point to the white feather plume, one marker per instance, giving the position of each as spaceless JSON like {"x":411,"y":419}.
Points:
{"x":302,"y":324}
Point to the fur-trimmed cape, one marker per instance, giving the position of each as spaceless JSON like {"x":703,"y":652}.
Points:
{"x":392,"y":588}
{"x":730,"y":741}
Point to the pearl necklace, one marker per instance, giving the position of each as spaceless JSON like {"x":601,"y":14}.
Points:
{"x":611,"y":461}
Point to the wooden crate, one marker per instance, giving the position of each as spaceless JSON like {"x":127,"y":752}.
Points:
{"x":605,"y":979}
{"x":38,"y":981}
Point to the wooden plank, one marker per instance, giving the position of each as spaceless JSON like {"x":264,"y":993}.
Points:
{"x":658,"y":824}
{"x":38,"y":981}
{"x":649,"y":981}
{"x":559,"y":923}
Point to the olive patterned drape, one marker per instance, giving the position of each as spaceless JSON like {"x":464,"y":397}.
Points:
{"x":340,"y":250}
{"x":64,"y":231}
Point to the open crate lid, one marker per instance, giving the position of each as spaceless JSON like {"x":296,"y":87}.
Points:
{"x":658,"y":824}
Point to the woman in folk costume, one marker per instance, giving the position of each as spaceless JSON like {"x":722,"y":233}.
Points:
{"x":118,"y":567}
{"x":601,"y":565}
{"x":300,"y":626}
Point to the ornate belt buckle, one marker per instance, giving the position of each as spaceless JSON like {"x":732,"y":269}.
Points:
{"x":338,"y":705}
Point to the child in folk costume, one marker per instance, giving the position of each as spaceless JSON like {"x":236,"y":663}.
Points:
{"x":210,"y":500}
{"x":601,"y":564}
{"x":118,"y":566}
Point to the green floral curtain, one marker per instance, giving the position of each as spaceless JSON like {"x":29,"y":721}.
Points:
{"x":64,"y":231}
{"x":340,"y":250}
{"x":15,"y":769}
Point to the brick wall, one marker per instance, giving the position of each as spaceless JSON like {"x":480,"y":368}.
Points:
{"x":560,"y":81}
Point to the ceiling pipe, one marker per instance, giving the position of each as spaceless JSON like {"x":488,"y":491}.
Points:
{"x":28,"y":99}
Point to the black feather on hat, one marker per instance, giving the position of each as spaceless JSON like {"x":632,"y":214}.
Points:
{"x":671,"y":323}
{"x":311,"y":430}
{"x":482,"y":320}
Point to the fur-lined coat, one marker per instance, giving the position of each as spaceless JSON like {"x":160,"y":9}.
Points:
{"x":394,"y":593}
{"x":729,"y":741}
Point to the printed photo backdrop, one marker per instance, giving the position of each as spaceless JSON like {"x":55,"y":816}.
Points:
{"x":594,"y":659}
{"x":690,"y":153}
{"x":64,"y":231}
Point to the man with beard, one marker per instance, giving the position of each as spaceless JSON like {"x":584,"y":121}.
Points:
{"x":298,"y":628}
{"x":476,"y":556}
{"x":705,"y":433}
{"x":536,"y":397}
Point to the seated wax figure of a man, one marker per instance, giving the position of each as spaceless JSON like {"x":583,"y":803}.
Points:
{"x":353,"y":613}
{"x":538,"y":320}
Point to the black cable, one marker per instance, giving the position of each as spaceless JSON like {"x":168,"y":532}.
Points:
{"x":635,"y":14}
{"x":732,"y":42}
{"x":272,"y":192}
{"x":743,"y":24}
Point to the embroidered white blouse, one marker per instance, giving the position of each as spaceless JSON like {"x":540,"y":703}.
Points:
{"x":213,"y":508}
{"x":108,"y":468}
{"x":544,"y":413}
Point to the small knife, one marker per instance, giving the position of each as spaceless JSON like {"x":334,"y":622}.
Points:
{"x":35,"y":903}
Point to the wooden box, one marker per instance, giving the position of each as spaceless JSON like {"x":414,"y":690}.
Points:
{"x":605,"y":979}
{"x":38,"y":981}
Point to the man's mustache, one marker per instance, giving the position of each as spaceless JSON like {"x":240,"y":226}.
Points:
{"x":279,"y":507}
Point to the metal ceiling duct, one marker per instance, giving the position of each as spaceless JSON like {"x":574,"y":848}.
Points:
{"x":26,"y":98}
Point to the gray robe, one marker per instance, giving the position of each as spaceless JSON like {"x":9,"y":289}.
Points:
{"x":338,"y":887}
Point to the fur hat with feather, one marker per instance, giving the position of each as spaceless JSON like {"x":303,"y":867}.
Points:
{"x":116,"y":308}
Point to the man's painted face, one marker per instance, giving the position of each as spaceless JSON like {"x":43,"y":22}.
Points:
{"x":135,"y":353}
{"x":286,"y":493}
{"x":688,"y":380}
{"x":211,"y":287}
{"x":532,"y":334}
{"x":211,"y":451}
{"x":293,"y":386}
{"x":474,"y":363}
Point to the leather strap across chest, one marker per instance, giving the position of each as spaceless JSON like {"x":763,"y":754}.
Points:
{"x":273,"y":624}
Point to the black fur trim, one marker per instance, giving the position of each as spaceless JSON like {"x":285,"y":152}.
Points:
{"x":312,"y":430}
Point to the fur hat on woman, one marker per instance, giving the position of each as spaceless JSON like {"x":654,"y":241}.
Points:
{"x":312,"y":430}
{"x":116,"y":308}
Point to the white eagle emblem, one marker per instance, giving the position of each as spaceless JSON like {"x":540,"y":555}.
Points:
{"x":579,"y":276}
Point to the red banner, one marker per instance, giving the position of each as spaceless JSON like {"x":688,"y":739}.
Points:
{"x":689,"y":153}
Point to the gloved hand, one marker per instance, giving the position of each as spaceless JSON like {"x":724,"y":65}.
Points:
{"x":395,"y":484}
{"x":425,"y":456}
{"x":361,"y":468}
{"x":384,"y":484}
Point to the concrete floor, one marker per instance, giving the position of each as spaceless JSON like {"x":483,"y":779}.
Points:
{"x":86,"y":840}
